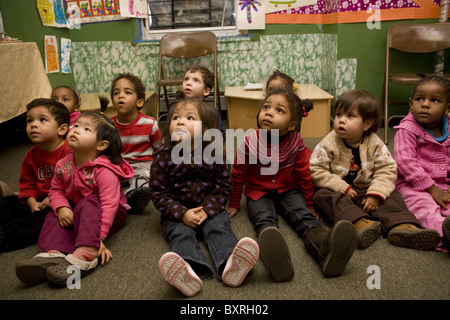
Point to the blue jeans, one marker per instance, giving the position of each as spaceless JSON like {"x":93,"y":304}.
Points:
{"x":291,"y":205}
{"x":217,"y":234}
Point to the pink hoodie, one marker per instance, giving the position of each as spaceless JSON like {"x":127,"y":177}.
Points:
{"x":99,"y":177}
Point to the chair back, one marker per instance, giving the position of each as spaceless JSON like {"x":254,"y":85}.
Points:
{"x":188,"y":45}
{"x":419,"y":38}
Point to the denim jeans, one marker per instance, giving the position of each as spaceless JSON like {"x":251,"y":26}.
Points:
{"x":291,"y":205}
{"x":217,"y":234}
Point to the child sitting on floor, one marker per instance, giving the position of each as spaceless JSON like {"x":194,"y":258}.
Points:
{"x":355,"y":175}
{"x":87,"y":202}
{"x":22,"y":216}
{"x":140,"y":136}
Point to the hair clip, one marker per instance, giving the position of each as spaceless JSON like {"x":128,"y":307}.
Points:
{"x":305,"y":114}
{"x":295,"y":86}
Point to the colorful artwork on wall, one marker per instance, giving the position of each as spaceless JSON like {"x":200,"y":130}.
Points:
{"x":89,"y":11}
{"x":347,"y":11}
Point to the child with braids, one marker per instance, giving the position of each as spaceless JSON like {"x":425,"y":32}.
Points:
{"x":285,"y":189}
{"x":422,"y":152}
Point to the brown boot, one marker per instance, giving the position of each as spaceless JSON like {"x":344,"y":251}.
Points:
{"x":409,"y":236}
{"x":367,"y":231}
{"x":332,"y":249}
{"x":446,"y":232}
{"x":274,"y":252}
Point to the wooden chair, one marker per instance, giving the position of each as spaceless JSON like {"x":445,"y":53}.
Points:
{"x":182,"y":46}
{"x":411,"y":38}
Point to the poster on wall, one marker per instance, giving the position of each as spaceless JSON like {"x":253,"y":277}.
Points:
{"x":134,"y":8}
{"x":52,"y":13}
{"x":51,"y":54}
{"x":66,"y":45}
{"x":280,"y":5}
{"x":251,"y":15}
{"x":90,"y":11}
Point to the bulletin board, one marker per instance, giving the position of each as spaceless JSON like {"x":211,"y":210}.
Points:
{"x":347,"y":11}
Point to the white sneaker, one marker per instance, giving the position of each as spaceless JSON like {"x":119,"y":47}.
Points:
{"x":240,"y":262}
{"x":179,"y":274}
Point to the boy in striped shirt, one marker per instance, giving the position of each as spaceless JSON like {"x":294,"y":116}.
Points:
{"x":140,"y":136}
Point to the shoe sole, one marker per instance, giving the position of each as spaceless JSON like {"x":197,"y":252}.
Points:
{"x":179,"y":274}
{"x":275,"y":254}
{"x":244,"y":257}
{"x":59,"y":274}
{"x":33,"y":271}
{"x":369,"y":235}
{"x":446,"y":229}
{"x":342,"y":245}
{"x":426,"y":239}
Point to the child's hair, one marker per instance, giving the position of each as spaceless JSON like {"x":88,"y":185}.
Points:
{"x":299,"y":108}
{"x":208,"y":76}
{"x":104,"y":101}
{"x":207,"y":117}
{"x":365,"y":103}
{"x":56,"y":109}
{"x":137,"y":83}
{"x":106,"y":130}
{"x":436,"y":79}
{"x":75,"y":93}
{"x":287,"y":80}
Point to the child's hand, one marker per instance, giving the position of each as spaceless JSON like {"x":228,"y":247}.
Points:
{"x":194,"y":217}
{"x":232,"y":211}
{"x":33,"y":204}
{"x":104,"y":252}
{"x":316,"y":214}
{"x":65,"y":217}
{"x":371,"y":203}
{"x":44,"y":203}
{"x":351,"y":193}
{"x":439,"y":195}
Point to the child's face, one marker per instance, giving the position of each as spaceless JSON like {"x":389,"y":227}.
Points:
{"x":183,"y":120}
{"x":124,"y":98}
{"x":194,"y":87}
{"x":276,"y":114}
{"x":429,"y":104}
{"x":43,"y":129}
{"x":350,"y":126}
{"x":83,"y":135}
{"x":66,"y":97}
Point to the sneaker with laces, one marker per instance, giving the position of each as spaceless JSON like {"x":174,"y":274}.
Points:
{"x":138,"y":199}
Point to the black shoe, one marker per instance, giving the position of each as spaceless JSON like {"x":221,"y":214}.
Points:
{"x":138,"y":199}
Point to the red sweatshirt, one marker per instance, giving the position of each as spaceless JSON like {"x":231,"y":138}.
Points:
{"x":293,"y":169}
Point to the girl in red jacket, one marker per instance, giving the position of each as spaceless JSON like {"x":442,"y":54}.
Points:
{"x":279,"y":183}
{"x":87,"y":202}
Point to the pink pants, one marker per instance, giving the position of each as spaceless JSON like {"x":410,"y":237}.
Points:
{"x":86,"y":227}
{"x":426,"y":210}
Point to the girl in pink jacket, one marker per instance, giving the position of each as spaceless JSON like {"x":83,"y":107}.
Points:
{"x":422,"y":153}
{"x":87,"y":202}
